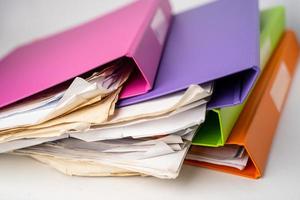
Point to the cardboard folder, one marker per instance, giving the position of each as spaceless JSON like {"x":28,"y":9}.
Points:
{"x":215,"y":42}
{"x":257,"y":123}
{"x":131,"y":36}
{"x":272,"y":23}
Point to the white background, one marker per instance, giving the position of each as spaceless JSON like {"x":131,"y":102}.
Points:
{"x":24,"y":178}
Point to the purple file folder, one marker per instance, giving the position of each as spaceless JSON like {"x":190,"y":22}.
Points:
{"x":218,"y":41}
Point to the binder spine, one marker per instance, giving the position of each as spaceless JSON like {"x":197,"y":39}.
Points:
{"x":147,"y":48}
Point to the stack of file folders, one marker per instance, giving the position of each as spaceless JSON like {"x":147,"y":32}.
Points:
{"x":196,"y":88}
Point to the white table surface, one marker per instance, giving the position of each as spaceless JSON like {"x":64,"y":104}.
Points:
{"x":24,"y":178}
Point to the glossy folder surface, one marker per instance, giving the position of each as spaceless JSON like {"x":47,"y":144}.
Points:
{"x":47,"y":62}
{"x":265,"y":103}
{"x":222,"y":30}
{"x":272,"y":23}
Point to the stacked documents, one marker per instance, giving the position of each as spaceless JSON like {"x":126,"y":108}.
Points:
{"x":161,"y":157}
{"x":49,"y":116}
{"x":109,"y":106}
{"x":231,"y":155}
{"x":135,"y":140}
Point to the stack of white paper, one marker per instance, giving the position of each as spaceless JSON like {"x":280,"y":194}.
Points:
{"x":229,"y":155}
{"x":51,"y":115}
{"x":161,"y":157}
{"x":149,"y":138}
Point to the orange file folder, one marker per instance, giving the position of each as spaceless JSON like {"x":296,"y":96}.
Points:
{"x":257,"y":123}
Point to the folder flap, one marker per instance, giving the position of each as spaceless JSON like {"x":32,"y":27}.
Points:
{"x":249,"y":171}
{"x":259,"y":135}
{"x":217,"y":126}
{"x":47,"y":62}
{"x":212,"y":130}
{"x":223,"y":30}
{"x":233,"y":89}
{"x":147,"y":47}
{"x":252,"y":130}
{"x":215,"y":130}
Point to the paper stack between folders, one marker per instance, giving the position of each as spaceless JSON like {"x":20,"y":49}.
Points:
{"x":50,"y":115}
{"x":81,"y":125}
{"x":230,"y":155}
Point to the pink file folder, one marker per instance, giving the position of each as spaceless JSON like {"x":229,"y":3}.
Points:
{"x":133,"y":35}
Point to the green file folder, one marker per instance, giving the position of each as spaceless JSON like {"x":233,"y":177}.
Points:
{"x":219,"y":122}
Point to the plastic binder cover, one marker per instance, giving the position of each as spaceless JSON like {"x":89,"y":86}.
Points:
{"x":226,"y":30}
{"x":219,"y":122}
{"x":132,"y":36}
{"x":265,"y":103}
